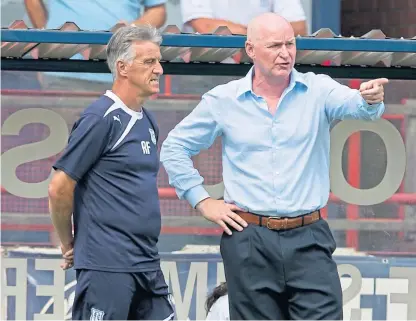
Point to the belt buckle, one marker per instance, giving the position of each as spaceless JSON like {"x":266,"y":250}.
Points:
{"x":284,"y":226}
{"x":271,"y":218}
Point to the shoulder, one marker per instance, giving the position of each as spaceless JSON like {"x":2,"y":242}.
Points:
{"x":220,"y":309}
{"x":223,"y":301}
{"x":224,"y":91}
{"x":218,"y":99}
{"x":97,"y":116}
{"x":104,"y":110}
{"x":316,"y":81}
{"x":101,"y":107}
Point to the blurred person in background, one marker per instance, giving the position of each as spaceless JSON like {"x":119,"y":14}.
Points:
{"x":204,"y":16}
{"x":95,"y":14}
{"x":92,"y":15}
{"x":216,"y":305}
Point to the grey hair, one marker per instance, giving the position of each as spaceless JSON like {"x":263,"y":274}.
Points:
{"x":119,"y":46}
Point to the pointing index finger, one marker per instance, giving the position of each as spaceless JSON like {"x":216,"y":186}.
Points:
{"x":381,"y":81}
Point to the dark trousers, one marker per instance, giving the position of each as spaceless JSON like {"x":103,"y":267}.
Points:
{"x":103,"y":295}
{"x":282,"y":275}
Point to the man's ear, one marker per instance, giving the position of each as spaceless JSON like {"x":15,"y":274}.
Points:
{"x":122,"y":68}
{"x":249,"y":49}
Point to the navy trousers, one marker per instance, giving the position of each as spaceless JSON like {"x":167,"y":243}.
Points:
{"x":103,"y":295}
{"x":282,"y":275}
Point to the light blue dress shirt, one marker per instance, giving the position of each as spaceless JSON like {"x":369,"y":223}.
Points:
{"x":272,"y":165}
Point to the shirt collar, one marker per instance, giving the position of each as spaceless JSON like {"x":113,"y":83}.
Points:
{"x":246,"y":84}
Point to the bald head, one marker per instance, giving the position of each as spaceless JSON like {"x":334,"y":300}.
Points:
{"x":266,"y":24}
{"x":271,"y":45}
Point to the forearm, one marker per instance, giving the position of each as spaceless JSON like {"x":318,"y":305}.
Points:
{"x":299,"y":28}
{"x":60,"y":209}
{"x":355,"y":107}
{"x":194,"y":133}
{"x":182,"y":175}
{"x":342,"y":102}
{"x":208,"y":25}
{"x":37,"y":13}
{"x":156,"y":16}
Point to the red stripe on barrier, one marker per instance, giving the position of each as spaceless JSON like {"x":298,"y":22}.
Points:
{"x":324,"y":213}
{"x":31,"y":244}
{"x":191,"y":230}
{"x":27,"y":227}
{"x":401,"y":198}
{"x":401,"y":210}
{"x":391,"y":253}
{"x":80,"y":94}
{"x":169,"y":193}
{"x":49,"y":93}
{"x":354,"y":175}
{"x":393,"y":116}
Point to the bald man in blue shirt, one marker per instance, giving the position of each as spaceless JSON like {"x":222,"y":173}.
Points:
{"x":275,"y":129}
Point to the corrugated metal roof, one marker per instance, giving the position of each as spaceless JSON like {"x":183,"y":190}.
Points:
{"x":321,"y":48}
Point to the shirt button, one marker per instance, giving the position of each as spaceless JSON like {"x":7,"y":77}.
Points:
{"x":277,"y":173}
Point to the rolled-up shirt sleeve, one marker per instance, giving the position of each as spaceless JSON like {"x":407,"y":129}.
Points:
{"x":292,"y":10}
{"x":343,"y":102}
{"x":193,"y":9}
{"x":194,"y":133}
{"x":153,"y":3}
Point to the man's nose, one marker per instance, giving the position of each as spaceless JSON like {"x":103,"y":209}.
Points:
{"x":158,"y":69}
{"x":284,"y":52}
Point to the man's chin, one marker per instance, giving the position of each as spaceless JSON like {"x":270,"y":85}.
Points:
{"x":281,"y":72}
{"x":154,"y":90}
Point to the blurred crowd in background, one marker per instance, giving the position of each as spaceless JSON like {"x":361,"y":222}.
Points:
{"x":201,"y":16}
{"x":196,"y":16}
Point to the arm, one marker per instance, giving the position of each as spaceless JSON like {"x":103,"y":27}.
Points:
{"x":194,"y":133}
{"x":299,"y":27}
{"x":200,"y":16}
{"x":85,"y":145}
{"x":154,"y":15}
{"x":208,"y":25}
{"x":343,"y":102}
{"x":37,"y":13}
{"x":61,"y":197}
{"x":293,"y":12}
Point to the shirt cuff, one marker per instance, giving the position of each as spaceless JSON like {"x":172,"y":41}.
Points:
{"x":153,"y":3}
{"x":371,"y":108}
{"x":195,"y":195}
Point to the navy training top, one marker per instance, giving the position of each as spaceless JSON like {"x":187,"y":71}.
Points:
{"x":112,"y":155}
